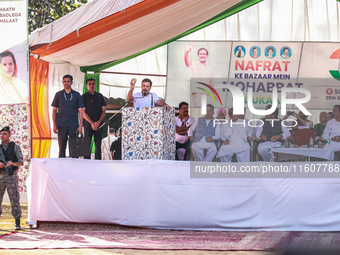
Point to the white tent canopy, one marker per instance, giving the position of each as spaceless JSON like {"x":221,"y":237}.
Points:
{"x":110,"y":31}
{"x":93,"y":11}
{"x":279,"y":20}
{"x":270,"y":20}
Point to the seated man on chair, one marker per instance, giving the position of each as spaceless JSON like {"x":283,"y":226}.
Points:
{"x":116,"y":147}
{"x":221,"y":116}
{"x":270,"y":134}
{"x":320,"y":127}
{"x":183,"y":123}
{"x":302,"y":120}
{"x":111,"y":137}
{"x":236,"y":135}
{"x":332,"y":130}
{"x":206,"y":133}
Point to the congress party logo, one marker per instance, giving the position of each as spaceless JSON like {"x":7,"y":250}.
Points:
{"x":211,"y":92}
{"x":335,"y":73}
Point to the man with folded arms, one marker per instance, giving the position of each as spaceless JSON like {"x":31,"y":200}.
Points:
{"x":183,"y":124}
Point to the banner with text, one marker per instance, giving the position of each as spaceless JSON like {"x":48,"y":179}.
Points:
{"x":14,"y":73}
{"x":258,"y":69}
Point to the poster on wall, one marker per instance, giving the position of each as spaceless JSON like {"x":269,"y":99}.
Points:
{"x":260,"y":70}
{"x":205,"y":62}
{"x":14,"y":73}
{"x":14,"y":77}
{"x":320,"y":67}
{"x":264,"y":69}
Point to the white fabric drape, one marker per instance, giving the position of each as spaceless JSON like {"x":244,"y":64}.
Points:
{"x":161,"y":194}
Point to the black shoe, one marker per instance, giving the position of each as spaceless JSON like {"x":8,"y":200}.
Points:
{"x":17,"y":224}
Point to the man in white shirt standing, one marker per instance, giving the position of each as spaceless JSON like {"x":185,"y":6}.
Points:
{"x":145,"y":98}
{"x":206,"y":133}
{"x":183,"y":124}
{"x":332,"y":130}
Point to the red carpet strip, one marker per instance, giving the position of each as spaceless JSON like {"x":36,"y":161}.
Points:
{"x":69,"y":235}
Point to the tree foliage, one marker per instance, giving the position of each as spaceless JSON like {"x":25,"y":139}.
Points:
{"x":43,"y":12}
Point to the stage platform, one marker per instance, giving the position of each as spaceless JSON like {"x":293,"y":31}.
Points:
{"x":161,"y":194}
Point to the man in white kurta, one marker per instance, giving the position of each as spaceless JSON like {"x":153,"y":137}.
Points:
{"x":199,"y":68}
{"x":332,"y":130}
{"x":106,"y":143}
{"x":270,"y":135}
{"x":236,"y":136}
{"x":204,"y":132}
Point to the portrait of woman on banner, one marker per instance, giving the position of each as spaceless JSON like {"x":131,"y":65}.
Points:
{"x":12,"y":89}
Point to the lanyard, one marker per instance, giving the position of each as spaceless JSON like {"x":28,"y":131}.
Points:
{"x":66,"y":97}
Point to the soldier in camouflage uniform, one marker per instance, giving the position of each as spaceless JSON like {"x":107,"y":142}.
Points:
{"x":10,"y":160}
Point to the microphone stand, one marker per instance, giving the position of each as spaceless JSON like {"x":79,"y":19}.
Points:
{"x":120,"y":110}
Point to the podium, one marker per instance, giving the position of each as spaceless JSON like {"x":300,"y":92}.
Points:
{"x":148,"y":133}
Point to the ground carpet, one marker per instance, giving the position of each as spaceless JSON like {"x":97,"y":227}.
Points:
{"x":71,"y":235}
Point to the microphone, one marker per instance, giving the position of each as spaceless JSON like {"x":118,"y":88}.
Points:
{"x":134,"y":99}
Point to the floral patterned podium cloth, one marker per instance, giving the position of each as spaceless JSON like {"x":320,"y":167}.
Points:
{"x":148,"y":133}
{"x":16,"y":117}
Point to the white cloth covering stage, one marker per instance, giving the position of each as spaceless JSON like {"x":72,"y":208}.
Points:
{"x":324,"y":153}
{"x":161,"y":194}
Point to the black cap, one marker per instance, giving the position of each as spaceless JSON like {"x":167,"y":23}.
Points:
{"x":5,"y":129}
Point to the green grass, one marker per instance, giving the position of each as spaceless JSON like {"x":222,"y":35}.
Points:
{"x":7,"y":220}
